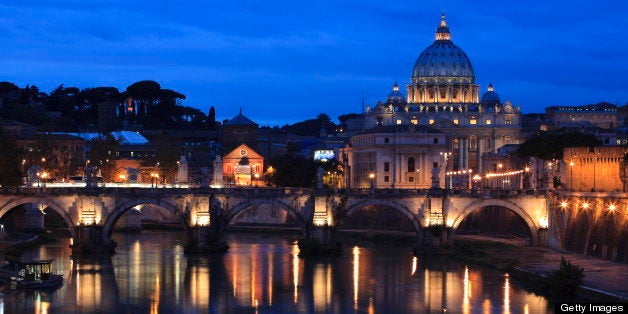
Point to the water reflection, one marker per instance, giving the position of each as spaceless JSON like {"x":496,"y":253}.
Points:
{"x":150,"y":274}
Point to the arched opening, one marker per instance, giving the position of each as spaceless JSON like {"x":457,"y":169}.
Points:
{"x":24,"y":218}
{"x":494,"y":223}
{"x":386,"y":220}
{"x":144,"y":214}
{"x":271,"y":213}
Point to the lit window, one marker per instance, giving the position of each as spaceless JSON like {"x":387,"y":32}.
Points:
{"x":473,"y":121}
{"x":414,"y":121}
{"x":456,"y":121}
{"x":431,"y":121}
{"x":508,"y":121}
{"x":488,"y":121}
{"x":398,"y":121}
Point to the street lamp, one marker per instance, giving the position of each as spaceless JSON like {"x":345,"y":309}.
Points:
{"x":372,"y":177}
{"x":1,"y":242}
{"x":256,"y":178}
{"x":571,"y":164}
{"x":153,"y":179}
{"x":44,"y":176}
{"x":416,"y":178}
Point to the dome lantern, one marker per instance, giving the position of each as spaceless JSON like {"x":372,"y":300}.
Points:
{"x":442,"y":31}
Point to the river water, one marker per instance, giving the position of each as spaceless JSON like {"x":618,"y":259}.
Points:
{"x":263,"y":274}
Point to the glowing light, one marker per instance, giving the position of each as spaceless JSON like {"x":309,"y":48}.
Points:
{"x":585,"y":205}
{"x":371,"y":176}
{"x":414,"y":264}
{"x":295,"y":272}
{"x":356,"y":275}
{"x":563,"y":204}
{"x":612,"y":207}
{"x":202,"y":220}
{"x":543,"y":222}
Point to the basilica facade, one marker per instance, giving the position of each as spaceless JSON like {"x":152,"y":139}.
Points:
{"x":444,"y":96}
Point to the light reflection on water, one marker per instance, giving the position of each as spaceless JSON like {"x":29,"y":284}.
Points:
{"x":261,"y":273}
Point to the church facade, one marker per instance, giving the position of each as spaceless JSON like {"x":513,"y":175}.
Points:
{"x":443,"y":95}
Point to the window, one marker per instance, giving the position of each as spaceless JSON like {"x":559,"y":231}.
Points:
{"x":489,"y":121}
{"x":473,"y":121}
{"x":414,"y":121}
{"x":386,"y":167}
{"x":508,"y":120}
{"x":431,"y":121}
{"x":410,"y":179}
{"x":436,"y":140}
{"x":398,"y":121}
{"x":411,"y":165}
{"x":456,"y":121}
{"x":386,"y":178}
{"x":386,"y":140}
{"x":435,"y":165}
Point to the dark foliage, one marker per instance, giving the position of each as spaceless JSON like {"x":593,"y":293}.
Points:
{"x":293,"y":171}
{"x":312,"y":127}
{"x":564,"y":282}
{"x":10,"y":158}
{"x":548,"y":146}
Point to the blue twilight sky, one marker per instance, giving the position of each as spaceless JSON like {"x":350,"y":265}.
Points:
{"x":286,"y":61}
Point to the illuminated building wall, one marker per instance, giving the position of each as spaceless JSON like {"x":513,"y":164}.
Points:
{"x":586,"y":169}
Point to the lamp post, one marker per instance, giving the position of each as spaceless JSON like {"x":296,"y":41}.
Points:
{"x":571,"y":164}
{"x":1,"y":242}
{"x":416,"y":178}
{"x":256,"y":178}
{"x":372,"y":177}
{"x":445,"y":157}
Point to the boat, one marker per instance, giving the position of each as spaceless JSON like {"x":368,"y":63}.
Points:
{"x":32,"y":274}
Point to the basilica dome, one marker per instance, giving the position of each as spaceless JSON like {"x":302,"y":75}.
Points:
{"x":490,"y":97}
{"x":395,"y":95}
{"x":443,"y":61}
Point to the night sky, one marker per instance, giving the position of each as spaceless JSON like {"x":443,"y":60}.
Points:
{"x":286,"y":61}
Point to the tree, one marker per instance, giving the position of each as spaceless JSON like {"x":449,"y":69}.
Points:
{"x":312,"y":127}
{"x":8,"y":92}
{"x":211,"y":118}
{"x":548,"y":146}
{"x":167,"y":153}
{"x":10,"y":158}
{"x":102,"y":155}
{"x":293,"y":171}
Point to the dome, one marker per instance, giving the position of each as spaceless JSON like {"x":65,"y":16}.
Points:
{"x":443,"y":60}
{"x":490,"y":97}
{"x":395,"y":95}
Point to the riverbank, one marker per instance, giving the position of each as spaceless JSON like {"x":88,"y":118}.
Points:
{"x":603,"y":280}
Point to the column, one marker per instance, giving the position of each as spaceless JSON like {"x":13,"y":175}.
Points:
{"x":466,"y":153}
{"x":460,"y":152}
{"x":480,"y":149}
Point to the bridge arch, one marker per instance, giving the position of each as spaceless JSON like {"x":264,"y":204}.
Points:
{"x":352,"y":208}
{"x":533,"y":227}
{"x":247,"y":204}
{"x":125,"y":206}
{"x":4,"y":209}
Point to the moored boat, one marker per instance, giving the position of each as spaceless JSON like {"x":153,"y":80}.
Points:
{"x":32,"y":274}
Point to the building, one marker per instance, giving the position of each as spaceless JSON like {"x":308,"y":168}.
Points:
{"x":592,"y":168}
{"x":441,"y":123}
{"x":238,"y":130}
{"x":603,"y":115}
{"x":243,"y":166}
{"x":443,"y":94}
{"x":396,"y":156}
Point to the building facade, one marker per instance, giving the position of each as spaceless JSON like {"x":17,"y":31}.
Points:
{"x":443,"y":94}
{"x":402,"y":156}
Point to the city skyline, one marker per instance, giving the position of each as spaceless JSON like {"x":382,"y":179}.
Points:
{"x":286,"y":63}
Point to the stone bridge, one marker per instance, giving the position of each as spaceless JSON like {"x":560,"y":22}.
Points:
{"x":435,"y":214}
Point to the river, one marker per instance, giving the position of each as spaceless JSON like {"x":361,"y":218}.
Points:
{"x":263,"y":274}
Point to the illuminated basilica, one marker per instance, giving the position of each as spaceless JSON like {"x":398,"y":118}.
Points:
{"x":442,"y":97}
